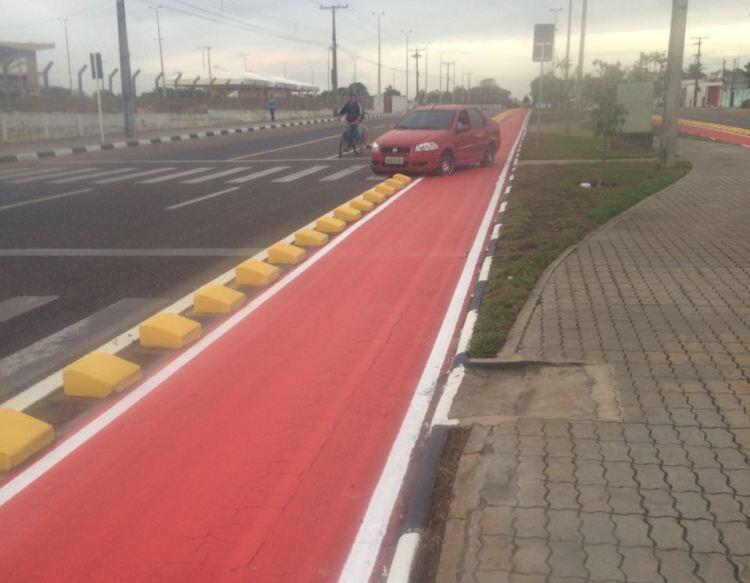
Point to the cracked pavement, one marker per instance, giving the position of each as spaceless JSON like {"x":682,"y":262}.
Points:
{"x":662,"y":296}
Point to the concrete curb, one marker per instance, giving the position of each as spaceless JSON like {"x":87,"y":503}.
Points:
{"x":58,"y":152}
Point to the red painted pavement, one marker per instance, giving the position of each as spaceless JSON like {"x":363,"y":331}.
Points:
{"x":714,"y":134}
{"x":256,"y":462}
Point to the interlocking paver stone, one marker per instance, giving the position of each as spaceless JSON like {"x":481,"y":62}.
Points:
{"x":662,"y":297}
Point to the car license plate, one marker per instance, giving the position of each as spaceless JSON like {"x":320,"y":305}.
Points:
{"x":394,"y":160}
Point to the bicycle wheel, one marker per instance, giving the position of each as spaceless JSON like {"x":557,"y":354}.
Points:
{"x":342,"y":146}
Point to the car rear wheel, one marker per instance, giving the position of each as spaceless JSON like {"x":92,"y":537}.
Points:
{"x":488,"y":158}
{"x":446,"y":164}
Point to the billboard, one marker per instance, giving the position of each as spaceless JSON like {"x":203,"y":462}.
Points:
{"x":544,"y":42}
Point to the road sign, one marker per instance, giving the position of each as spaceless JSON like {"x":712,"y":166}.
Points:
{"x":544,"y":42}
{"x":97,"y":72}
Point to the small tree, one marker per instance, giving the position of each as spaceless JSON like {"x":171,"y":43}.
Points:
{"x":609,"y":118}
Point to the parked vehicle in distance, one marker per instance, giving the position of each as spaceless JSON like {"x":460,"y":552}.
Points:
{"x":437,"y":139}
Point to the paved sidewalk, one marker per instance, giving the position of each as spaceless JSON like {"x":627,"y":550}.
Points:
{"x":661,"y":490}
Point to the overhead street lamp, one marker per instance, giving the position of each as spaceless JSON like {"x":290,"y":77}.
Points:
{"x":379,"y":14}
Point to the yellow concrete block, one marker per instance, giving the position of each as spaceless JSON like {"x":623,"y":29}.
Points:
{"x":402,"y":178}
{"x":347,"y":214}
{"x":168,"y":330}
{"x":255,"y":272}
{"x":98,"y":375}
{"x":395,"y":184}
{"x":329,"y":225}
{"x":375,"y":197}
{"x":285,"y":254}
{"x":217,"y":299}
{"x":310,"y":238}
{"x":21,"y":436}
{"x":385,"y":190}
{"x":362,"y":205}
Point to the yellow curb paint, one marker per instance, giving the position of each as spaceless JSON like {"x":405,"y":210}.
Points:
{"x":98,"y":375}
{"x":256,"y":273}
{"x":362,"y":205}
{"x":285,"y":254}
{"x":310,"y":238}
{"x":402,"y":178}
{"x":217,"y":299}
{"x":394,"y":184}
{"x":329,"y":225}
{"x":374,"y":197}
{"x":21,"y":436}
{"x":385,"y":190}
{"x":168,"y":330}
{"x":347,"y":214}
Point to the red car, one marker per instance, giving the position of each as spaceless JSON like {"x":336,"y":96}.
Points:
{"x":437,"y":139}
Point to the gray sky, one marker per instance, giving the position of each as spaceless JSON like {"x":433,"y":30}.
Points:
{"x":487,"y":38}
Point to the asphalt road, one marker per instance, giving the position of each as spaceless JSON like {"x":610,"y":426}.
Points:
{"x":732,"y":117}
{"x":90,"y":244}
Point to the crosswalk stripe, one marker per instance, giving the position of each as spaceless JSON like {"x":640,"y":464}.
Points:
{"x":14,"y":307}
{"x":43,"y":199}
{"x":27,"y":172}
{"x":135,"y":175}
{"x":173,"y":176}
{"x":87,"y":176}
{"x":342,"y":173}
{"x":208,"y":177}
{"x":58,"y":174}
{"x":375,"y":178}
{"x":202,"y":198}
{"x":301,"y":174}
{"x":259,"y":174}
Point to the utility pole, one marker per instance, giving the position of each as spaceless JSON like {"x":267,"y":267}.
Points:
{"x":161,"y":54}
{"x":128,"y":97}
{"x":735,"y":64}
{"x":406,"y":33}
{"x":581,"y":56}
{"x":566,"y":85}
{"x":668,"y":138}
{"x":210,"y":73}
{"x":416,"y":56}
{"x":426,"y":68}
{"x":556,"y":12}
{"x":379,"y":14}
{"x":67,"y":50}
{"x":698,"y":66}
{"x":335,"y":73}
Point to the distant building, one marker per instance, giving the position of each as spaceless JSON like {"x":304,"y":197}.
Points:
{"x":19,"y":74}
{"x":249,"y":85}
{"x":722,"y":88}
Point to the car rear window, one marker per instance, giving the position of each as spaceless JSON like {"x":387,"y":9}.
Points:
{"x":427,"y":119}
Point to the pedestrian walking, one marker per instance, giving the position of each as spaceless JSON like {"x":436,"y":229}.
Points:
{"x":272,"y":107}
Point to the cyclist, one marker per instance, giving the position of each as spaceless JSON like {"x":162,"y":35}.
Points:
{"x":355,"y":113}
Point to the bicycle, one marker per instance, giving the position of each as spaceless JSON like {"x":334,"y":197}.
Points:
{"x":345,"y":144}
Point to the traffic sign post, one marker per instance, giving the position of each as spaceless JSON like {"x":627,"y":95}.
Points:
{"x":544,"y":48}
{"x":97,"y":74}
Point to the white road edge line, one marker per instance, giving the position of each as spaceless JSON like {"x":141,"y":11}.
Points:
{"x":62,"y":450}
{"x":366,"y":547}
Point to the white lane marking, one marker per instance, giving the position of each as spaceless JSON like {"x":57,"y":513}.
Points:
{"x":79,"y":177}
{"x":17,"y":170}
{"x":342,"y":173}
{"x":22,"y":367}
{"x":43,"y":199}
{"x":57,"y":174}
{"x":290,"y":147}
{"x":301,"y":174}
{"x":376,"y":178}
{"x":259,"y":174}
{"x":175,"y":175}
{"x":366,"y":547}
{"x":403,"y":558}
{"x":202,"y":198}
{"x":140,"y":174}
{"x":186,"y":252}
{"x":14,"y":307}
{"x":484,"y":274}
{"x":443,"y":409}
{"x":467,"y":332}
{"x":58,"y":453}
{"x":28,"y":172}
{"x":333,"y":157}
{"x":208,"y":177}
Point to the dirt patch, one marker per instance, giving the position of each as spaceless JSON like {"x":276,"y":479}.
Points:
{"x":428,"y":557}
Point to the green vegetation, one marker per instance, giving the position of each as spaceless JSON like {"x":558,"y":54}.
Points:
{"x":575,"y":147}
{"x":548,"y":212}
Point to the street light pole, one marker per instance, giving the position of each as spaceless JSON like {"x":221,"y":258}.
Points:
{"x":67,"y":50}
{"x":406,"y":33}
{"x":126,"y":79}
{"x":668,"y":137}
{"x":566,"y":85}
{"x":379,"y":14}
{"x":334,"y":74}
{"x":581,"y":56}
{"x":426,"y":68}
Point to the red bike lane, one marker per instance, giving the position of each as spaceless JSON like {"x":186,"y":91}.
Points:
{"x":256,"y":460}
